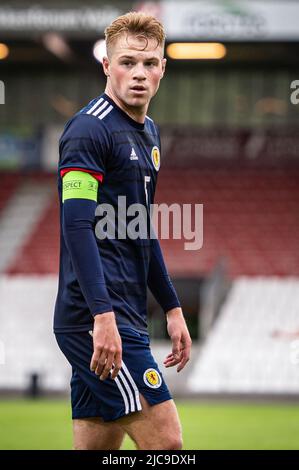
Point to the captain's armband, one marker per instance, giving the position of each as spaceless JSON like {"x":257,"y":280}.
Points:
{"x":79,"y":185}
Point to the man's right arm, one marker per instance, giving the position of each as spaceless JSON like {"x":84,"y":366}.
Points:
{"x":78,"y":216}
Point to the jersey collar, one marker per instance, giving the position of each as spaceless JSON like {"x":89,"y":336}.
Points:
{"x":132,"y":121}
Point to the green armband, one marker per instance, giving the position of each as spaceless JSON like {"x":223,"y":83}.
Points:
{"x":79,"y":185}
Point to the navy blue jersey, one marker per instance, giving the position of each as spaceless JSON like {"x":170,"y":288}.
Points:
{"x":103,"y":140}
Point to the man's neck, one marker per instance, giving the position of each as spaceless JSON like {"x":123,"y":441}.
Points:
{"x":138,"y":114}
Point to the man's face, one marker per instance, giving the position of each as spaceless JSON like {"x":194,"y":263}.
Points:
{"x":134,"y":74}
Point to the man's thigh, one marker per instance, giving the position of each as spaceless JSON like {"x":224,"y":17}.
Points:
{"x":95,"y":434}
{"x":155,"y":427}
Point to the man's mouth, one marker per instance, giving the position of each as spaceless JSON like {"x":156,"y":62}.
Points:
{"x":138,"y":88}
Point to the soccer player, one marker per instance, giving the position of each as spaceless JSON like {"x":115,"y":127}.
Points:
{"x":111,"y":149}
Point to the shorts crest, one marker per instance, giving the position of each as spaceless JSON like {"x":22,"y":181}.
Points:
{"x":152,"y":378}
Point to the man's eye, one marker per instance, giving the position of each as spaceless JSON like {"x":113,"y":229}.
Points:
{"x":127,"y":63}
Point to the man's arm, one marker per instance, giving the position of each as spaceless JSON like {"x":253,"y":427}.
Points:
{"x":163,"y":290}
{"x":78,"y":216}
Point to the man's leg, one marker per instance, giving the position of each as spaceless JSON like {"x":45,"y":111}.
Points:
{"x":95,"y":434}
{"x":155,"y":427}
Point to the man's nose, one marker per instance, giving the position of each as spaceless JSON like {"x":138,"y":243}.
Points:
{"x":139,"y":72}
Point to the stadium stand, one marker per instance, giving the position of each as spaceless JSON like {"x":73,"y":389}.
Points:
{"x":241,"y":354}
{"x":28,"y":345}
{"x":9,"y":184}
{"x":250,"y":219}
{"x":41,"y":251}
{"x":19,"y":216}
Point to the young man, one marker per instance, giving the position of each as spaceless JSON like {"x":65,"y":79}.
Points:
{"x":112,"y":149}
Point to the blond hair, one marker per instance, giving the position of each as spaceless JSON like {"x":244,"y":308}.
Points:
{"x":135,"y":23}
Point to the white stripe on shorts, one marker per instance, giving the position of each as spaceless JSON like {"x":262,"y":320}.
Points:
{"x":131,"y":380}
{"x":120,"y":387}
{"x":129,"y":390}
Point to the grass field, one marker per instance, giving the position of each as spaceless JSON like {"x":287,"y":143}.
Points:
{"x":46,"y":424}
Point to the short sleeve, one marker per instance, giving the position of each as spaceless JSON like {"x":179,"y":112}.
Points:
{"x":84,"y":144}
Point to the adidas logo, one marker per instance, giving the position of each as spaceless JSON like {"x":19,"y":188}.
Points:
{"x":133,"y":155}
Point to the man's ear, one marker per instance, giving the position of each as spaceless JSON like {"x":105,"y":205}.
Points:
{"x":106,"y":66}
{"x":163,"y":66}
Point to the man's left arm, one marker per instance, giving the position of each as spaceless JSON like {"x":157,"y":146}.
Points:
{"x":163,"y":290}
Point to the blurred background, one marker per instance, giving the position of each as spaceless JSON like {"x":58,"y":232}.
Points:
{"x":228,"y":110}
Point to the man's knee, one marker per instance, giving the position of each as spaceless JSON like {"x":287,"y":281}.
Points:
{"x":164,"y":443}
{"x":173,"y":442}
{"x":167,"y":440}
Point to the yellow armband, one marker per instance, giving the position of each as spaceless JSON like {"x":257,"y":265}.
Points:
{"x":79,"y":185}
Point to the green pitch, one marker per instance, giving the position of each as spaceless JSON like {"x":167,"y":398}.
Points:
{"x":46,"y":424}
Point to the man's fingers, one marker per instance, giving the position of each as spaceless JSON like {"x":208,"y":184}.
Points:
{"x":184,"y":360}
{"x":108,"y":366}
{"x":172,"y":360}
{"x":175,"y":345}
{"x":106,"y":371}
{"x":101,"y":364}
{"x":94,"y":361}
{"x":182,"y":364}
{"x":169,"y":356}
{"x":186,"y":352}
{"x":116,"y":365}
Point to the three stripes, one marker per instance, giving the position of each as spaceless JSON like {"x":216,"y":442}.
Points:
{"x":98,"y":107}
{"x":128,"y":389}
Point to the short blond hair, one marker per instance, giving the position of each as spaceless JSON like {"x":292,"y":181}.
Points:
{"x":138,"y":24}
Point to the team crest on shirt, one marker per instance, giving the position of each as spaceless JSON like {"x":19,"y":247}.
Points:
{"x":156,"y":157}
{"x":152,"y":378}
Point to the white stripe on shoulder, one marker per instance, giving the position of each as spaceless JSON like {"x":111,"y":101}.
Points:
{"x":103,"y":106}
{"x":120,"y":387}
{"x":107,"y":111}
{"x":149,"y":118}
{"x":95,"y":106}
{"x":136,"y":391}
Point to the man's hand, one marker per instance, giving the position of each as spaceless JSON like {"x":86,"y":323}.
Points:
{"x":107,"y":348}
{"x":180,"y":337}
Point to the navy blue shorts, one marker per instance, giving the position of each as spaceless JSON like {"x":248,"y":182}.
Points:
{"x":112,"y":399}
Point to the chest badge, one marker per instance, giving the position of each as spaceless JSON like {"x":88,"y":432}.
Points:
{"x":156,"y":157}
{"x":133,"y":155}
